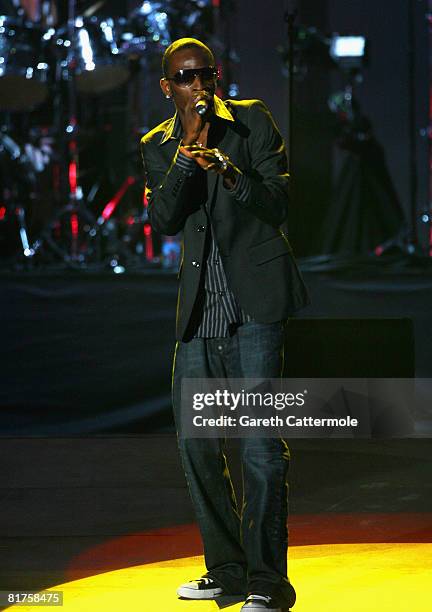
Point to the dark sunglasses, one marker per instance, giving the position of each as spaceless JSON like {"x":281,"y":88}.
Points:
{"x":186,"y":77}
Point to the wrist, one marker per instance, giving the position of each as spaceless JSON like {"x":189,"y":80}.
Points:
{"x":230,"y":177}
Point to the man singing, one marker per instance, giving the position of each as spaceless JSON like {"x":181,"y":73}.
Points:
{"x":218,"y":172}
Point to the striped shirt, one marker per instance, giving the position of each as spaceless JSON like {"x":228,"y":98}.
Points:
{"x":221,"y":312}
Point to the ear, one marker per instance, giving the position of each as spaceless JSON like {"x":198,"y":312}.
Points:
{"x":165,"y":86}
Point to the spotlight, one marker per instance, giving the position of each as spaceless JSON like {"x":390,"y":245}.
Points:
{"x":348,"y":51}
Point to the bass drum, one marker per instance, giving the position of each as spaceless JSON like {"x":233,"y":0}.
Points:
{"x":98,"y":64}
{"x":23,"y":70}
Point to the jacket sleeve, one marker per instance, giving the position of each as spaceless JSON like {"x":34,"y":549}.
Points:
{"x":264,"y":187}
{"x":168,"y":189}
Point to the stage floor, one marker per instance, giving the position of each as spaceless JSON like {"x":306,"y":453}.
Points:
{"x":108,"y":521}
{"x":328,"y":578}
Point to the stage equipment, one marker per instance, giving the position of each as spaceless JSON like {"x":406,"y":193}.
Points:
{"x":72,"y":65}
{"x":365,"y":211}
{"x":98,"y":64}
{"x":71,"y":232}
{"x":148,"y":25}
{"x":406,"y":241}
{"x":18,"y":179}
{"x":348,"y":51}
{"x":24,"y":71}
{"x":306,"y":44}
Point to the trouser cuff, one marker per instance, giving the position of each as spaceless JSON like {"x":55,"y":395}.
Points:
{"x":231,"y":585}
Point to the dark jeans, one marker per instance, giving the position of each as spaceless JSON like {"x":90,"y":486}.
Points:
{"x":244,"y":551}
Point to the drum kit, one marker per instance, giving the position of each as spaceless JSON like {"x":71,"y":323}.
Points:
{"x":87,"y":55}
{"x":92,"y":51}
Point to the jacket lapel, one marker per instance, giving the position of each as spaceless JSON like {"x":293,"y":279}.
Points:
{"x":219,"y":139}
{"x":212,"y":180}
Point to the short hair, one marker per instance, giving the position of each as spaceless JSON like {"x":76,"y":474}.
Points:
{"x":182,"y":43}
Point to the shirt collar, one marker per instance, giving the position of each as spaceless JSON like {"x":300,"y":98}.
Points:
{"x":174,"y":128}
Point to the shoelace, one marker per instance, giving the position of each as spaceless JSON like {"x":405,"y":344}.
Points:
{"x":205,"y":581}
{"x":259,"y":598}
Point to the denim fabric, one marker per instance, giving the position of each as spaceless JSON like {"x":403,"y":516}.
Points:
{"x":245,"y":548}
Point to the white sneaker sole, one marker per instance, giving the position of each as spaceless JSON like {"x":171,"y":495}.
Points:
{"x":189,"y":593}
{"x":260,"y":608}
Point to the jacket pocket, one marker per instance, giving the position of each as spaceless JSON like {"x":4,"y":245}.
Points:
{"x":270,"y":249}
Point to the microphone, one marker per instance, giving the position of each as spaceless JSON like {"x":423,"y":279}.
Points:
{"x":201,"y":107}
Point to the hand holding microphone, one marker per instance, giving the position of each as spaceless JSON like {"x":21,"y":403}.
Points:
{"x":213,"y":160}
{"x":195,"y":116}
{"x":201,"y":107}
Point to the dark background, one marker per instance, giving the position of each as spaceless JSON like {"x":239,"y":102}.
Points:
{"x":384,"y":94}
{"x":256,"y":31}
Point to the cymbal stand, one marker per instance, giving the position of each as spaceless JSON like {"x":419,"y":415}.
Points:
{"x":73,"y":223}
{"x":75,"y":193}
{"x":12,"y":195}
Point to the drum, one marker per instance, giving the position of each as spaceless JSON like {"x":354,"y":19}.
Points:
{"x":23,"y":69}
{"x":146,"y":30}
{"x":97,"y":62}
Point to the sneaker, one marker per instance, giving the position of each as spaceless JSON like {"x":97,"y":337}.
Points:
{"x":261,"y":603}
{"x":203,"y":588}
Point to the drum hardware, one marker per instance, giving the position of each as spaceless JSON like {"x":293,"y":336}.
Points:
{"x":98,"y":64}
{"x":127,"y":236}
{"x":87,"y":69}
{"x":71,"y":232}
{"x":24,"y":71}
{"x":74,"y":223}
{"x":17,"y":164}
{"x":87,"y":55}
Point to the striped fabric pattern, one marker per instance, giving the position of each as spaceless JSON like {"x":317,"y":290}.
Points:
{"x":221,"y":311}
{"x":185,"y":164}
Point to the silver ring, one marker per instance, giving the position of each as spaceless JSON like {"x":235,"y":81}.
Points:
{"x":222,"y":160}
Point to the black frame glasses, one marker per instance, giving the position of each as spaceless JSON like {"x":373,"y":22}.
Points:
{"x":186,"y":76}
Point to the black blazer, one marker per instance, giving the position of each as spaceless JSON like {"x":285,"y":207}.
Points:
{"x":256,"y":255}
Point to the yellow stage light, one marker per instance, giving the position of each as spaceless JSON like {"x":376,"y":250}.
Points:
{"x":328,"y":578}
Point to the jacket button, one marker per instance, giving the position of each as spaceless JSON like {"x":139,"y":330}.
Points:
{"x":200,"y":228}
{"x":196,"y":264}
